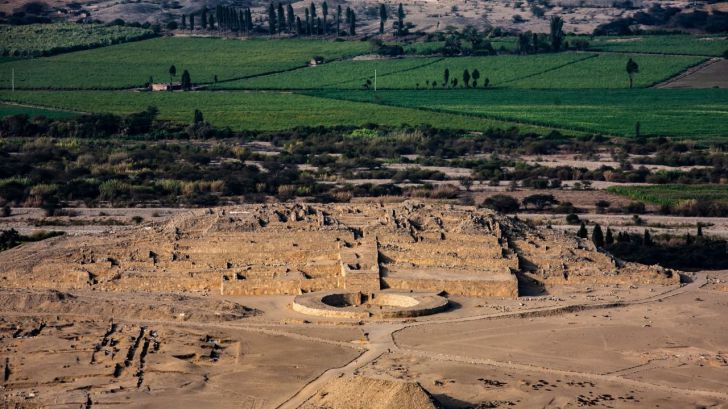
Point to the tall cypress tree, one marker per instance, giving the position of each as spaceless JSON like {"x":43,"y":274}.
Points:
{"x":184,"y":21}
{"x":299,"y":26}
{"x":271,"y":19}
{"x":598,"y":236}
{"x":308,"y":22}
{"x":382,"y":17}
{"x":352,"y":24}
{"x":281,"y":19}
{"x":290,"y":18}
{"x":249,"y":20}
{"x":186,"y":81}
{"x":203,"y":18}
{"x":582,"y":233}
{"x":313,"y":29}
{"x":400,"y":20}
{"x":609,"y":237}
{"x":325,"y":12}
{"x":338,"y":19}
{"x":192,"y":21}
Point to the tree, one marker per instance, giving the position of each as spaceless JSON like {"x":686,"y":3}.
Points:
{"x":271,"y":19}
{"x":700,"y":230}
{"x":192,"y":21}
{"x":186,"y":81}
{"x":467,"y":183}
{"x":647,"y":241}
{"x":184,"y":21}
{"x":539,"y":201}
{"x":325,"y":12}
{"x":502,"y":203}
{"x":172,"y":73}
{"x":598,"y":236}
{"x":572,"y":218}
{"x":632,"y":69}
{"x":291,"y":18}
{"x":556,"y":34}
{"x":476,"y":76}
{"x":203,"y":18}
{"x":312,"y":28}
{"x":383,"y":18}
{"x":338,"y":19}
{"x":211,"y":22}
{"x":582,"y":233}
{"x":198,"y":117}
{"x":609,"y":238}
{"x":352,"y":23}
{"x":446,"y":77}
{"x":602,"y":205}
{"x":466,"y":78}
{"x":281,"y":19}
{"x":308,"y":21}
{"x":400,"y":20}
{"x":9,"y":239}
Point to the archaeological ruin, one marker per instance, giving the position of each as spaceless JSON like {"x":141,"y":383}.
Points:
{"x":298,"y":248}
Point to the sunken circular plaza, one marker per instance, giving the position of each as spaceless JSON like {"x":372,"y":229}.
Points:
{"x":378,"y":305}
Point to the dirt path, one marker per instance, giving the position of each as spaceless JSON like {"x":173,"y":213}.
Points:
{"x":381,"y":340}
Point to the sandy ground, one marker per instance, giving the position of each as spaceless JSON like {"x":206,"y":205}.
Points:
{"x":604,"y":347}
{"x":579,"y":16}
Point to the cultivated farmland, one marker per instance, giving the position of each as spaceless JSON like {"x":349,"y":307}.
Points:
{"x":135,"y":64}
{"x":254,"y":111}
{"x":7,"y":110}
{"x":662,"y":44}
{"x":46,"y":39}
{"x":694,"y":113}
{"x":672,"y":195}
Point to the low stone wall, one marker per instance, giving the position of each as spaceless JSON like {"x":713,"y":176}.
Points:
{"x":383,"y":305}
{"x":506,"y":288}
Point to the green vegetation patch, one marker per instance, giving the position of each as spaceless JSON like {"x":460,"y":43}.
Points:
{"x":608,"y":71}
{"x":661,"y":112}
{"x":46,"y":39}
{"x":8,"y":110}
{"x":663,"y":44}
{"x":135,"y":64}
{"x":563,"y":70}
{"x":253,"y":111}
{"x":673,"y":195}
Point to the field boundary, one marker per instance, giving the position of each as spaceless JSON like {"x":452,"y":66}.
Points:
{"x":320,"y":88}
{"x":686,"y":72}
{"x":551,"y":69}
{"x":472,"y":114}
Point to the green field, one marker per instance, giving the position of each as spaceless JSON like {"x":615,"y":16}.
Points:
{"x":251,"y":110}
{"x":666,"y":112}
{"x":664,"y":44}
{"x":41,"y":39}
{"x":671,"y":195}
{"x":563,"y":70}
{"x":608,"y":71}
{"x":132,"y":65}
{"x":7,"y":110}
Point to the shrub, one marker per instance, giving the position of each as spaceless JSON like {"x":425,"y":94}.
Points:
{"x":502,"y":203}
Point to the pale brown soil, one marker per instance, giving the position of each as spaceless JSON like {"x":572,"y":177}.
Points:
{"x":712,"y":74}
{"x":666,"y":350}
{"x":427,"y":15}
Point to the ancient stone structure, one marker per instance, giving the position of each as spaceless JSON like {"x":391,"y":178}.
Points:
{"x":357,"y":305}
{"x":299,"y":248}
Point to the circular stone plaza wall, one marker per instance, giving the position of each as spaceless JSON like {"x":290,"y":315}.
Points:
{"x":382,"y":305}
